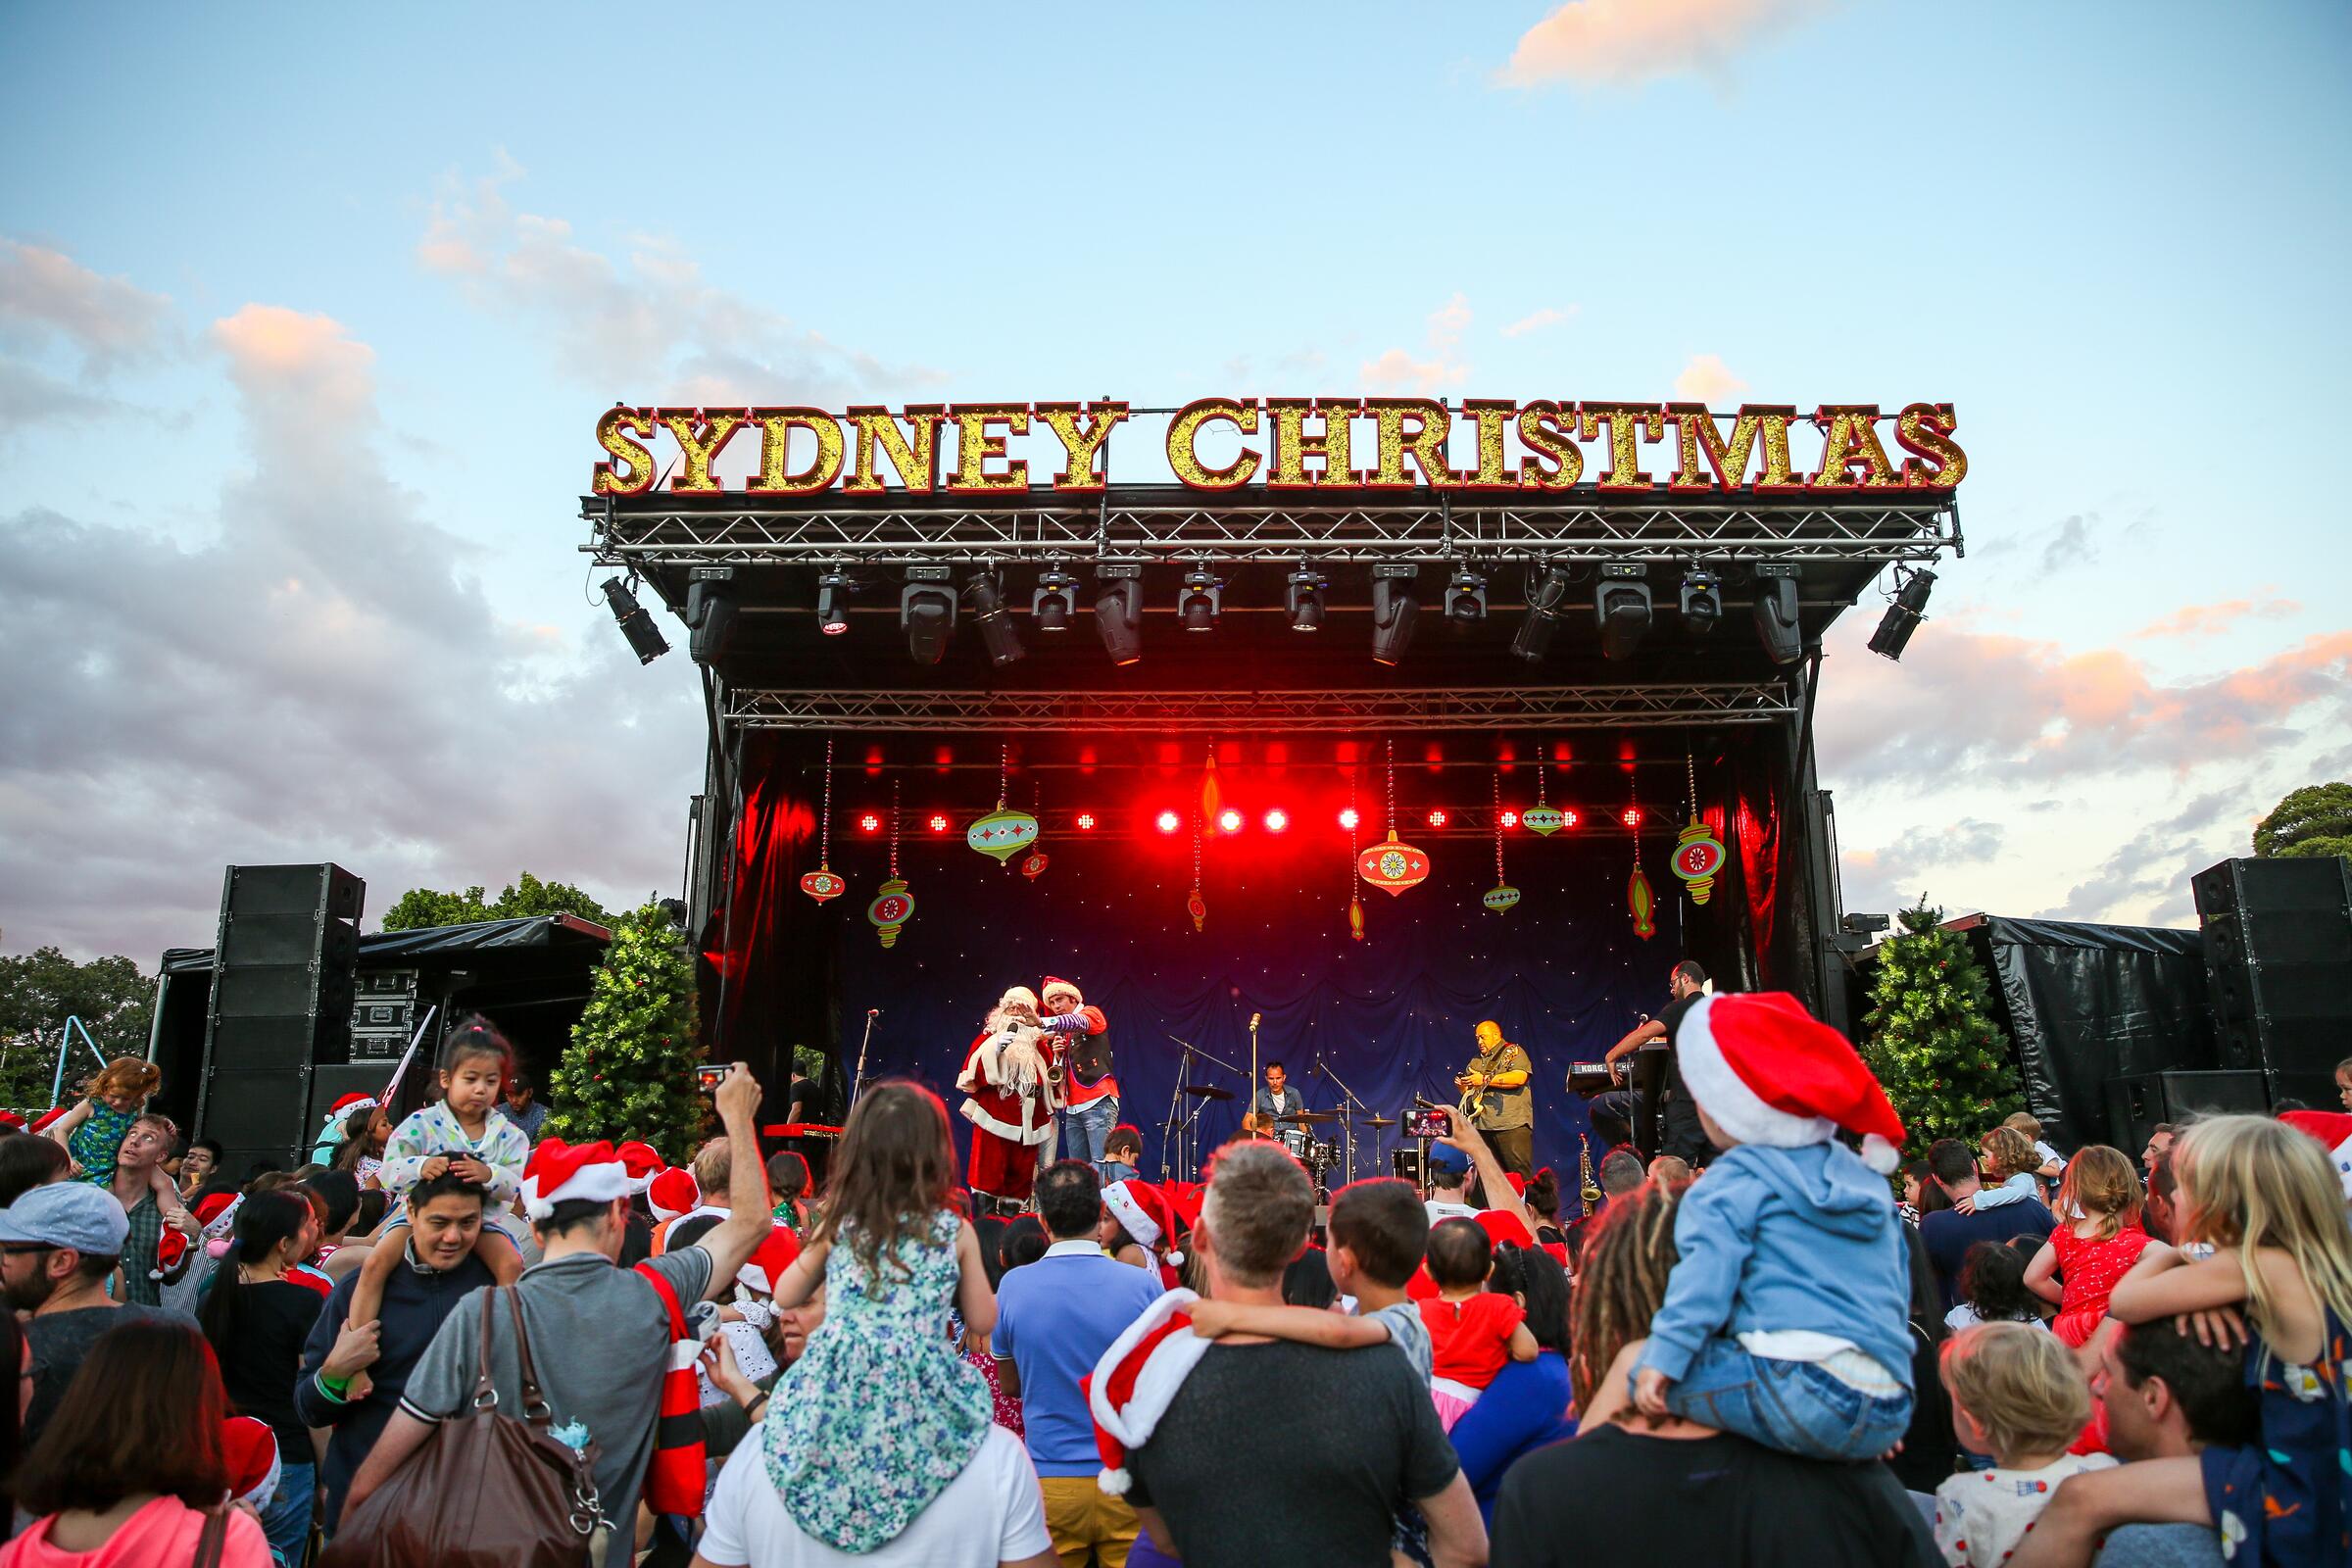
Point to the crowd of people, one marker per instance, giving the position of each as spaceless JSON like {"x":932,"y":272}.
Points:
{"x":450,"y":1340}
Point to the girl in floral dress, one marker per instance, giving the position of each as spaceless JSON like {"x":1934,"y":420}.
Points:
{"x":880,"y":1414}
{"x":2264,"y":1197}
{"x":93,"y":1130}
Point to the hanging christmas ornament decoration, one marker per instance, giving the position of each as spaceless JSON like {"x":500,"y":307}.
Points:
{"x":1033,"y":866}
{"x":1395,"y":865}
{"x":1355,"y":901}
{"x":825,"y":882}
{"x":1196,"y":905}
{"x":1698,"y":855}
{"x":1542,"y":818}
{"x":1638,"y":899}
{"x":1501,"y":896}
{"x":1212,"y":798}
{"x":1002,"y":832}
{"x":893,"y":904}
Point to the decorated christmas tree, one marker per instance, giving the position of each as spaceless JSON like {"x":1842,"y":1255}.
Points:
{"x":1945,"y":1063}
{"x":629,"y":1069}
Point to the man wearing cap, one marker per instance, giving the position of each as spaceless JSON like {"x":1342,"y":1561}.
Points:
{"x":58,"y":1245}
{"x":1080,"y":1036}
{"x":601,"y":1336}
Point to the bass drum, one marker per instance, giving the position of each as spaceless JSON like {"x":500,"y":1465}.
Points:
{"x":1405,"y":1164}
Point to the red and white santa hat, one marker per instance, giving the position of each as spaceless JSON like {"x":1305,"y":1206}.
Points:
{"x":642,"y":1162}
{"x":350,"y":1102}
{"x":770,"y":1260}
{"x":41,"y":1122}
{"x":11,"y":1120}
{"x":1146,"y":1213}
{"x":170,"y":1247}
{"x":1771,"y":1073}
{"x":250,"y":1451}
{"x":672,"y":1192}
{"x":1132,"y":1386}
{"x":1057,"y":986}
{"x":2333,"y":1128}
{"x":559,"y":1172}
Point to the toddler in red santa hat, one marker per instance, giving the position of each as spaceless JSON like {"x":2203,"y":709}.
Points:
{"x":1784,"y":1316}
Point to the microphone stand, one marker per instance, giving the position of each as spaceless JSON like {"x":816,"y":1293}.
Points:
{"x":1176,"y":1136}
{"x":857,"y":1083}
{"x":1349,"y":1109}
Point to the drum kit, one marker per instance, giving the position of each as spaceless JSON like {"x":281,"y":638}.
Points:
{"x":1298,"y":1133}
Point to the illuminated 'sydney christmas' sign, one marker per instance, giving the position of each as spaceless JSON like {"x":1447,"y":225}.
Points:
{"x":1289,"y":444}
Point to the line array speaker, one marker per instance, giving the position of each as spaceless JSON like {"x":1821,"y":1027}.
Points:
{"x":2278,"y":962}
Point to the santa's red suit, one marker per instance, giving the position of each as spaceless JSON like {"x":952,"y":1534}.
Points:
{"x":1003,"y":1081}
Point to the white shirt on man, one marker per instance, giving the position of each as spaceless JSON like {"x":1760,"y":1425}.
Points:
{"x":993,"y":1513}
{"x":1439,"y":1209}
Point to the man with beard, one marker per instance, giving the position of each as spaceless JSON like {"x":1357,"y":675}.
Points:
{"x":1007,"y":1100}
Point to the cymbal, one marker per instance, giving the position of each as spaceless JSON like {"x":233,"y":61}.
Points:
{"x":1208,"y":1091}
{"x":1301,"y":1119}
{"x":1380,"y":1121}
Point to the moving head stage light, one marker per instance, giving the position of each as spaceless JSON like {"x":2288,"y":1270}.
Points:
{"x":1903,"y":616}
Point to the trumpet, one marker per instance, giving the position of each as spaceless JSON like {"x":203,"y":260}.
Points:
{"x":1587,"y":1190}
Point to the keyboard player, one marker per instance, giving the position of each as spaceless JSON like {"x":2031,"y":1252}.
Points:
{"x":1681,"y":1134}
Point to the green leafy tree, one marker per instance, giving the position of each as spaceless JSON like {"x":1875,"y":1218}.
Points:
{"x":1942,"y":1060}
{"x":420,"y":908}
{"x":39,"y":991}
{"x":2313,"y":820}
{"x":629,"y":1069}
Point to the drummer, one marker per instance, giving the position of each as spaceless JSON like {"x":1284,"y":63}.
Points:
{"x":1277,"y":1098}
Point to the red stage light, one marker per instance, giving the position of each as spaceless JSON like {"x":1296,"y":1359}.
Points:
{"x":1229,"y":820}
{"x":939,"y":824}
{"x":869,"y":823}
{"x":1086,"y":821}
{"x":1632,"y":816}
{"x":1277,"y":820}
{"x":1348,"y":819}
{"x":1169,"y":821}
{"x":1568,"y":816}
{"x":1510,"y":820}
{"x":1437,"y":819}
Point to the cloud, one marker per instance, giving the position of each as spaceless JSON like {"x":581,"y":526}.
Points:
{"x":2211,"y":620}
{"x":46,"y":295}
{"x":1894,"y":876}
{"x":1398,"y":371}
{"x":321,"y":680}
{"x":2070,"y":545}
{"x":1620,"y":42}
{"x":1546,"y":317}
{"x":646,"y":326}
{"x":2156,"y":863}
{"x":1705,"y":380}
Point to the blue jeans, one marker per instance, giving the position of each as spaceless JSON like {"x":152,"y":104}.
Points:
{"x":287,"y":1522}
{"x":1793,"y":1407}
{"x":1089,"y":1128}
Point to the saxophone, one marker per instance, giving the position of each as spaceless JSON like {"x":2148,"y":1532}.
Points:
{"x":1587,"y":1190}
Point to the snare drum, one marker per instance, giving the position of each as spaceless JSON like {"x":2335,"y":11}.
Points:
{"x":1407,"y":1165}
{"x":1297,"y":1139}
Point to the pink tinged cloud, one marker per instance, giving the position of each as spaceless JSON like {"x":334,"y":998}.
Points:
{"x":109,"y":320}
{"x":1621,"y":42}
{"x":1705,"y":378}
{"x":1399,"y":370}
{"x":2211,"y":620}
{"x":1538,"y":320}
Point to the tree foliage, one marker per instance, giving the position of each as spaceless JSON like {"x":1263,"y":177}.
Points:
{"x":425,"y":906}
{"x":1948,"y":1068}
{"x":629,"y":1069}
{"x":39,"y":991}
{"x":2313,"y":820}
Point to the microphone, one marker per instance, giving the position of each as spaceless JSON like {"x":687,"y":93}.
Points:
{"x":873,"y":1012}
{"x":1254,"y":1017}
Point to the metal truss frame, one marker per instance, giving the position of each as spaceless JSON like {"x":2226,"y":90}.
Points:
{"x":1148,"y":523}
{"x":1289,"y":712}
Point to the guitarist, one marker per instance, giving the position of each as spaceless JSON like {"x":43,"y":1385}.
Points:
{"x":1496,"y":1098}
{"x":1081,"y":1038}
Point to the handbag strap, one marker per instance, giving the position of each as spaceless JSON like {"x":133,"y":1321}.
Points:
{"x":536,"y":1408}
{"x":485,"y":1393}
{"x":214,"y":1541}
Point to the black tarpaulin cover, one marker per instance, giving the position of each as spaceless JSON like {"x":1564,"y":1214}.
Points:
{"x":394,"y":950}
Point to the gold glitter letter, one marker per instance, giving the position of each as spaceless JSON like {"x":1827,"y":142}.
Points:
{"x":1426,"y":446}
{"x":1186,"y":426}
{"x":1629,"y":423}
{"x":1924,"y":430}
{"x":1293,"y":446}
{"x":915,"y":456}
{"x":776,"y":437}
{"x":1851,"y":441}
{"x":1695,"y":429}
{"x":614,"y":432}
{"x":1082,"y":444}
{"x":1547,"y":430}
{"x":1494,"y":463}
{"x":976,"y":445}
{"x":700,"y":439}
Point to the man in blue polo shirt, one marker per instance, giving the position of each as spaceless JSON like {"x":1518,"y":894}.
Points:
{"x":1055,"y":1319}
{"x":1949,"y":1234}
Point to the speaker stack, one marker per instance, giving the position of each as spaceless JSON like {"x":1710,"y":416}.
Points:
{"x":283,"y":971}
{"x":2278,"y":968}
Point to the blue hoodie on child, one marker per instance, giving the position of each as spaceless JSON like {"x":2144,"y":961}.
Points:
{"x":1774,"y":1240}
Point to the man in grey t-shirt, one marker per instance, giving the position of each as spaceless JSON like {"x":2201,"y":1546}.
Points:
{"x":58,"y":1245}
{"x":600,"y":1335}
{"x":2166,"y":1396}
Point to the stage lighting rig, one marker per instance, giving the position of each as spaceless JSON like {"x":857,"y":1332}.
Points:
{"x":1621,"y":607}
{"x":1306,"y":598}
{"x":1547,"y":602}
{"x":1395,"y":609}
{"x":1703,"y":601}
{"x":1902,"y":617}
{"x":645,"y":638}
{"x":1775,"y":612}
{"x":927,"y":612}
{"x":1119,"y":610}
{"x":997,"y":631}
{"x":1465,"y":597}
{"x":1203,"y":596}
{"x":832,"y":615}
{"x":1055,"y":600}
{"x":711,"y":612}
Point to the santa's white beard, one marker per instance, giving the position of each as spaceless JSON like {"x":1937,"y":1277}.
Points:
{"x":1018,"y":1065}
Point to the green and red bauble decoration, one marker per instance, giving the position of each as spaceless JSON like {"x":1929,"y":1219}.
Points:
{"x":893,"y":904}
{"x":825,"y":882}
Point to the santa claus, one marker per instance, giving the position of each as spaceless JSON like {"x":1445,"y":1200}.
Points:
{"x":1007,"y":1098}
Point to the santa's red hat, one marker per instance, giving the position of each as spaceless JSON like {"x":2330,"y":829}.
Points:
{"x":11,"y":1120}
{"x":1057,"y":986}
{"x":2333,"y":1128}
{"x":350,"y":1102}
{"x":41,"y":1122}
{"x":560,"y":1172}
{"x":169,"y":1249}
{"x":641,"y":1163}
{"x":1132,"y":1386}
{"x":1146,"y":1213}
{"x":769,"y":1261}
{"x":672,"y":1192}
{"x":1771,"y":1073}
{"x":248,"y":1448}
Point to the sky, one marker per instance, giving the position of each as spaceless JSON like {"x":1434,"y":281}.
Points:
{"x":306,"y":315}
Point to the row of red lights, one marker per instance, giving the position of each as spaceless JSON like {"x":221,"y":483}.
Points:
{"x":1276,"y":820}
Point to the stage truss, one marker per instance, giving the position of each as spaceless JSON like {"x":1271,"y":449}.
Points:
{"x":1170,"y":522}
{"x":1289,"y":712}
